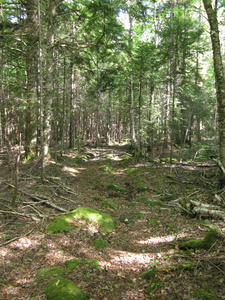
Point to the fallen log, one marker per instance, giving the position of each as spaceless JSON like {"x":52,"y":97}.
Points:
{"x":202,"y":209}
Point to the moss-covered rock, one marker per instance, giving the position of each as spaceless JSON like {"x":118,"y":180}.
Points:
{"x":62,"y":222}
{"x":73,"y":263}
{"x":130,"y":218}
{"x":61,"y":288}
{"x":99,"y":243}
{"x":209,"y":240}
{"x":105,"y":221}
{"x":59,"y":225}
{"x":48,"y":273}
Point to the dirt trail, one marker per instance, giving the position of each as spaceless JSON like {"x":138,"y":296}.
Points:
{"x":149,"y":242}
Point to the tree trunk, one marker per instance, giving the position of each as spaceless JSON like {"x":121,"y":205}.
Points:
{"x":219,"y":79}
{"x":31,"y":69}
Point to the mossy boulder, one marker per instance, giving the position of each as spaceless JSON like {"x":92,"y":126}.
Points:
{"x":73,"y":263}
{"x":130,"y":218}
{"x":62,"y":222}
{"x":59,"y":224}
{"x":60,"y":288}
{"x":105,"y":221}
{"x":99,"y":243}
{"x":208,"y":242}
{"x":48,"y":273}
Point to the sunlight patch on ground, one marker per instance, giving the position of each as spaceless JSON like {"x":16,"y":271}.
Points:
{"x":156,"y":240}
{"x":11,"y":290}
{"x":55,"y":257}
{"x":128,"y":258}
{"x":70,"y":170}
{"x":25,"y":242}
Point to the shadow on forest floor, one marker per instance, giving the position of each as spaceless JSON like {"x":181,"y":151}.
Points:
{"x":107,"y":180}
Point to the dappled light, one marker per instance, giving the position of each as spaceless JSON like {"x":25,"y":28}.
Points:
{"x":71,"y":171}
{"x":143,"y":230}
{"x":156,"y":240}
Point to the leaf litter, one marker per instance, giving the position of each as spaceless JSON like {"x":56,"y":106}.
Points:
{"x":147,"y":243}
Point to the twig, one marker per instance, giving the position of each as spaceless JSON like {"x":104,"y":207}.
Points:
{"x":16,"y":238}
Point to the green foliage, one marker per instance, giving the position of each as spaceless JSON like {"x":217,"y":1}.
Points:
{"x":29,"y":157}
{"x":61,"y":288}
{"x":152,"y":286}
{"x":107,"y":169}
{"x":153,"y":222}
{"x":116,"y":188}
{"x":99,"y":243}
{"x":132,"y":171}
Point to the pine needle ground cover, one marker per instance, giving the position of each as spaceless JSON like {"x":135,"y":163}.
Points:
{"x":148,"y":253}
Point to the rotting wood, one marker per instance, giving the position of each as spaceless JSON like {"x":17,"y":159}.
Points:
{"x":201,"y":209}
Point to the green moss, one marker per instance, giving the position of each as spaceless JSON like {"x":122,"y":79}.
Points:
{"x":99,"y":243}
{"x":107,"y":169}
{"x":61,"y":223}
{"x":152,"y":222}
{"x":209,"y":240}
{"x":98,"y":197}
{"x":105,"y":221}
{"x":73,"y":263}
{"x":168,"y":197}
{"x":133,"y":204}
{"x":61,"y":288}
{"x":142,"y":199}
{"x":78,"y":159}
{"x":48,"y":273}
{"x":154,"y":203}
{"x":142,"y":188}
{"x":149,"y":274}
{"x":115,"y":187}
{"x":58,"y":225}
{"x":110,"y":204}
{"x":152,"y":286}
{"x":131,"y":171}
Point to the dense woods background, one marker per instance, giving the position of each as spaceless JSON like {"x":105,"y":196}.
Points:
{"x":89,"y":72}
{"x":112,"y":112}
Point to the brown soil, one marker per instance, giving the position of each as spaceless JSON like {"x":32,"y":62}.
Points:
{"x":150,"y":242}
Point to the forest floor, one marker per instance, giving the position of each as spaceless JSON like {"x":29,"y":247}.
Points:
{"x":150,"y":242}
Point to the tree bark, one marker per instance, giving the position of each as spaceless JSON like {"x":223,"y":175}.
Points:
{"x":219,"y":79}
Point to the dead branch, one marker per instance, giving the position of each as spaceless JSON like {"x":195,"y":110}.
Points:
{"x":201,"y":209}
{"x":16,"y":238}
{"x":47,"y":202}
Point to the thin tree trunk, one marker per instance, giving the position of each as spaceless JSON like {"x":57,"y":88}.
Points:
{"x":219,"y":78}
